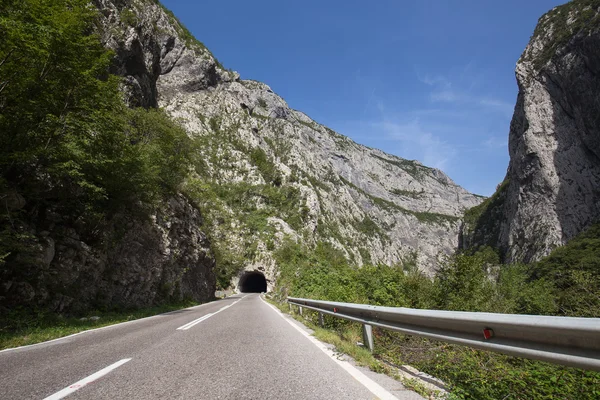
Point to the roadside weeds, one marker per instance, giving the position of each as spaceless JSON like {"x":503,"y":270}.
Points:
{"x":20,"y":328}
{"x":348,"y":343}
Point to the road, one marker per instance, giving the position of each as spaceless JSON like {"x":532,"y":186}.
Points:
{"x":235,"y":348}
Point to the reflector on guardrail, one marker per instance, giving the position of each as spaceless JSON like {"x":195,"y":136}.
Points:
{"x":568,"y":341}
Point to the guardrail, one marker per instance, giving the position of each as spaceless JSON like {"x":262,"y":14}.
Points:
{"x":568,"y":341}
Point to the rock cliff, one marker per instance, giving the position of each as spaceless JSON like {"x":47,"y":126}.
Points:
{"x":136,"y":262}
{"x":263,"y":175}
{"x":551,"y":190}
{"x":133,"y":255}
{"x":375,"y":207}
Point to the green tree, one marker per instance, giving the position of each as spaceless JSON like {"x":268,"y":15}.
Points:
{"x":60,"y":111}
{"x":463,"y":282}
{"x":69,"y":146}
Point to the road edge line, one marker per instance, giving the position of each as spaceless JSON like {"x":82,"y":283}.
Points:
{"x":106,"y":327}
{"x":364,"y":380}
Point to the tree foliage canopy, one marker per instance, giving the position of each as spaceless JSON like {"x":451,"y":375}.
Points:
{"x":68,"y":143}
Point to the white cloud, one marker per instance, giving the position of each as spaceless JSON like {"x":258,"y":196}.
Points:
{"x":415,"y":139}
{"x":460,"y":91}
{"x":436,"y":80}
{"x":495,"y":143}
{"x":445,"y":96}
{"x":452,"y":124}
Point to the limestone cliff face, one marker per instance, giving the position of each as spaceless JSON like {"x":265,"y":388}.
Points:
{"x":373,"y":206}
{"x":134,"y":263}
{"x":552,"y":187}
{"x":129,"y":260}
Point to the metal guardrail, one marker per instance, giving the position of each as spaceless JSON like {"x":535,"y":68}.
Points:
{"x":568,"y":341}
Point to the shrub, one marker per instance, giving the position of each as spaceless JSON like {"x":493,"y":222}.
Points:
{"x":267,"y":169}
{"x":68,"y":143}
{"x":129,"y":17}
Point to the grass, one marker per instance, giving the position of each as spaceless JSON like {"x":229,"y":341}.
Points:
{"x":310,"y":125}
{"x":414,"y":169}
{"x":369,"y":228}
{"x":470,"y":373}
{"x":316,"y":183}
{"x":477,"y":374}
{"x":344,"y":341}
{"x":407,"y":193}
{"x":347,"y":345}
{"x":21,"y":328}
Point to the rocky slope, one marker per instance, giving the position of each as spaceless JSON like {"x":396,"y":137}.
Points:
{"x":137,"y":263}
{"x":59,"y":250}
{"x":373,"y":206}
{"x":551,"y":190}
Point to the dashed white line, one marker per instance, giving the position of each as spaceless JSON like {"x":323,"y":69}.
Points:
{"x":85,"y":381}
{"x":205,"y":317}
{"x":367,"y":382}
{"x":65,"y":338}
{"x":194,"y":322}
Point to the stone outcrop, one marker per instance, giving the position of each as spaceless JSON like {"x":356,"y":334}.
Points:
{"x":130,"y":260}
{"x":135,"y":262}
{"x":551,"y":191}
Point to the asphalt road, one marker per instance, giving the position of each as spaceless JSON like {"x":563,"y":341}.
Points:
{"x":236,"y":348}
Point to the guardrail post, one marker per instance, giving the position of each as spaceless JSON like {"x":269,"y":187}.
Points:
{"x":321,"y":322}
{"x":367,"y":331}
{"x":290,"y":304}
{"x":569,"y":341}
{"x":300,"y":310}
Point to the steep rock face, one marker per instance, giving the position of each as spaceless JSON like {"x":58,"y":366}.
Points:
{"x":135,"y":259}
{"x":149,"y":43}
{"x":374,"y":207}
{"x":136,"y":263}
{"x":551,"y":191}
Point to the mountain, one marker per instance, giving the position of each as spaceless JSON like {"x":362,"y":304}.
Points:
{"x":135,"y":206}
{"x":551,"y":190}
{"x":375,"y":207}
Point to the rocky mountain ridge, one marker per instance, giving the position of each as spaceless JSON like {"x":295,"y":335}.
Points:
{"x":375,"y":207}
{"x":204,"y":176}
{"x":550,"y":192}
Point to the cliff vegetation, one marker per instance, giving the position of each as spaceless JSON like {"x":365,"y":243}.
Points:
{"x":79,"y":170}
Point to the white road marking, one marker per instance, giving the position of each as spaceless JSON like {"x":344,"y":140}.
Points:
{"x":79,"y":384}
{"x":194,"y":322}
{"x":367,"y":382}
{"x":102,"y":328}
{"x":205,"y":317}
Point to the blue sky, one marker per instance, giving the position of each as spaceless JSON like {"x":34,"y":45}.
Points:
{"x":431,"y":80}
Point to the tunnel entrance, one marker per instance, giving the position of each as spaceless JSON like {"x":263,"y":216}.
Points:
{"x":252,"y":282}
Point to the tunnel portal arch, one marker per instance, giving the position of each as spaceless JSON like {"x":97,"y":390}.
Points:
{"x":252,"y":282}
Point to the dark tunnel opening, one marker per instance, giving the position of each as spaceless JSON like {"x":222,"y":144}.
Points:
{"x":252,"y":282}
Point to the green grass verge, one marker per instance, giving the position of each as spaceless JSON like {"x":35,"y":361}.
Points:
{"x":476,"y":374}
{"x":344,"y":340}
{"x":20,"y":328}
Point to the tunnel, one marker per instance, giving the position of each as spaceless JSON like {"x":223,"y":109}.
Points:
{"x":252,"y":282}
